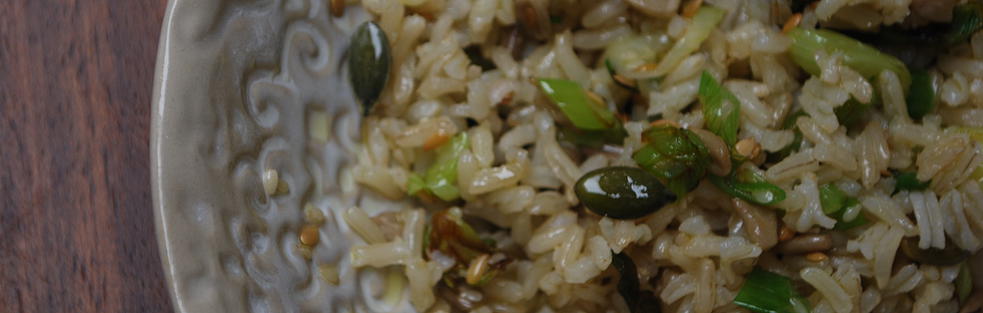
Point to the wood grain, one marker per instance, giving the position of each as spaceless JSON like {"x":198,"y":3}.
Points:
{"x":76,"y":222}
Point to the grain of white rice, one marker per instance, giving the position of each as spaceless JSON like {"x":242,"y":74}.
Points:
{"x":888,"y":211}
{"x":818,"y":100}
{"x":599,"y":38}
{"x":830,"y":288}
{"x":603,"y":12}
{"x":480,"y":19}
{"x":673,"y":99}
{"x":872,"y":153}
{"x":884,"y":252}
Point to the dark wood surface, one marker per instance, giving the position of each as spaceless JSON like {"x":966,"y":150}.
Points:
{"x":76,"y":222}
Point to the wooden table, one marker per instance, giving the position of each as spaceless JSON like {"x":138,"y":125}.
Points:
{"x":76,"y":222}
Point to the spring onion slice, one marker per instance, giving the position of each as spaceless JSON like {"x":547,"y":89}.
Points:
{"x":866,"y":60}
{"x":767,"y":292}
{"x":908,"y":181}
{"x":835,"y":203}
{"x":796,"y":143}
{"x":967,"y":18}
{"x":721,"y":109}
{"x":441,"y":178}
{"x":638,"y":300}
{"x":964,"y":282}
{"x":921,"y":96}
{"x":763,"y":193}
{"x":415,"y":184}
{"x":576,"y":105}
{"x":699,"y":29}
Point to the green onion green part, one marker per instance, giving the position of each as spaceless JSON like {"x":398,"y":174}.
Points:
{"x":796,"y":143}
{"x":767,"y":292}
{"x":908,"y":181}
{"x":967,"y":18}
{"x":721,"y":109}
{"x":835,"y":203}
{"x":705,"y":20}
{"x":572,"y":99}
{"x":921,"y":96}
{"x":853,"y":111}
{"x":757,"y":192}
{"x":441,"y":178}
{"x":676,"y":156}
{"x":862,"y":58}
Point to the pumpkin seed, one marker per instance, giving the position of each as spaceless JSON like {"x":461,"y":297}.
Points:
{"x":369,"y":59}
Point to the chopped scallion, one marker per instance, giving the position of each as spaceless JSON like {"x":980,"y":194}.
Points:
{"x":441,"y":178}
{"x":704,"y":22}
{"x":767,"y":292}
{"x":758,"y":192}
{"x":572,"y":99}
{"x":967,"y":18}
{"x":835,"y":204}
{"x":862,"y":58}
{"x":676,"y":156}
{"x":908,"y":181}
{"x":796,"y":143}
{"x":921,"y":96}
{"x":721,"y":109}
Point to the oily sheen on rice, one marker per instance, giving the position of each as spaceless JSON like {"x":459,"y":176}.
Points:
{"x":516,"y":176}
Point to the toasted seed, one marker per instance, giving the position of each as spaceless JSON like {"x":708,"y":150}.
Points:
{"x":719,"y":152}
{"x":477,"y":269}
{"x":785,"y":233}
{"x":329,"y":273}
{"x":646,"y":67}
{"x":282,"y":188}
{"x":628,"y":82}
{"x":792,"y":22}
{"x":535,"y":22}
{"x":759,"y":223}
{"x":659,"y":123}
{"x":309,"y":235}
{"x":692,"y":7}
{"x":271,"y":178}
{"x":816,"y":257}
{"x":304,"y":250}
{"x":807,"y":243}
{"x":436,"y":140}
{"x":595,"y":97}
{"x":313,"y":215}
{"x":513,"y":42}
{"x":337,"y":7}
{"x":748,"y":148}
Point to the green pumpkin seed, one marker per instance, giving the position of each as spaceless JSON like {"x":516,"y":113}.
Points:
{"x":622,"y":192}
{"x":369,"y":59}
{"x":951,"y":255}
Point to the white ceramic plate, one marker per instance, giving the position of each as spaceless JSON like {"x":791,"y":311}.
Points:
{"x":236,"y":80}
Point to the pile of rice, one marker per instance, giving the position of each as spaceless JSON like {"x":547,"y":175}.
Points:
{"x":694,"y":253}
